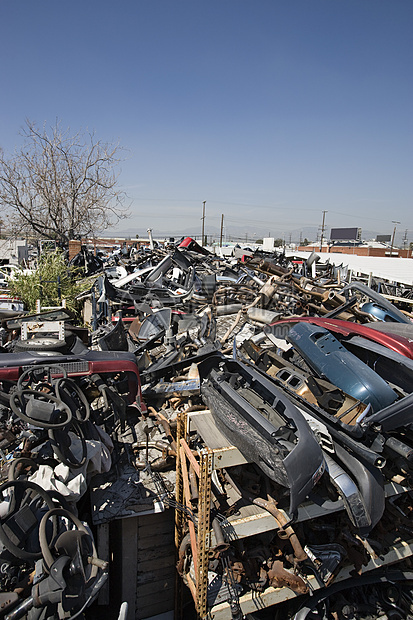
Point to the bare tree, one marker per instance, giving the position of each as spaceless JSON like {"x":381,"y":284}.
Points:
{"x":61,"y":186}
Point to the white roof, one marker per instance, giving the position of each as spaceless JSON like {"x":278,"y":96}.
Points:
{"x":394,"y":269}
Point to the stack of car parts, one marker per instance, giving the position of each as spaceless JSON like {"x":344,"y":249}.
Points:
{"x":280,"y":392}
{"x":60,"y":421}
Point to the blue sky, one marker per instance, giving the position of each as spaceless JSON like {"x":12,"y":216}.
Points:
{"x":271,"y":111}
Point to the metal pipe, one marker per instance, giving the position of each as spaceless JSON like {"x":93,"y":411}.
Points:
{"x":193,"y":483}
{"x":183,"y":548}
{"x":285,"y":531}
{"x":219,"y":535}
{"x":279,"y":577}
{"x":164,"y":422}
{"x":155,"y":445}
{"x":228,"y":309}
{"x":150,"y":238}
{"x":282,"y":521}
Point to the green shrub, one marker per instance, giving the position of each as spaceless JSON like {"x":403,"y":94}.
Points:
{"x":51,"y":276}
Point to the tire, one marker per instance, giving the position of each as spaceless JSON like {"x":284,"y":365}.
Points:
{"x":40,"y":344}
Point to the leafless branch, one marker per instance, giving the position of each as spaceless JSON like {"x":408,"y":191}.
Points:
{"x":62,"y":186}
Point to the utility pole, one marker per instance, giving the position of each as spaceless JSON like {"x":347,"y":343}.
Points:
{"x":322,"y":230}
{"x":392,"y":239}
{"x":222,"y":229}
{"x":405,"y":239}
{"x":203,"y":222}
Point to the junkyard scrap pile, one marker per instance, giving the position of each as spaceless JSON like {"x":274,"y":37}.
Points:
{"x":265,"y":402}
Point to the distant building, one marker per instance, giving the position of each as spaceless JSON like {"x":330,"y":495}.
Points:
{"x":13,"y":251}
{"x":362,"y":248}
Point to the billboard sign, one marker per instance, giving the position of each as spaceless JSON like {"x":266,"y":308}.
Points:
{"x":383,"y":238}
{"x":345,"y":234}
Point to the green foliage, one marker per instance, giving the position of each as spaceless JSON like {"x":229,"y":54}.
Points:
{"x":52,"y":276}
